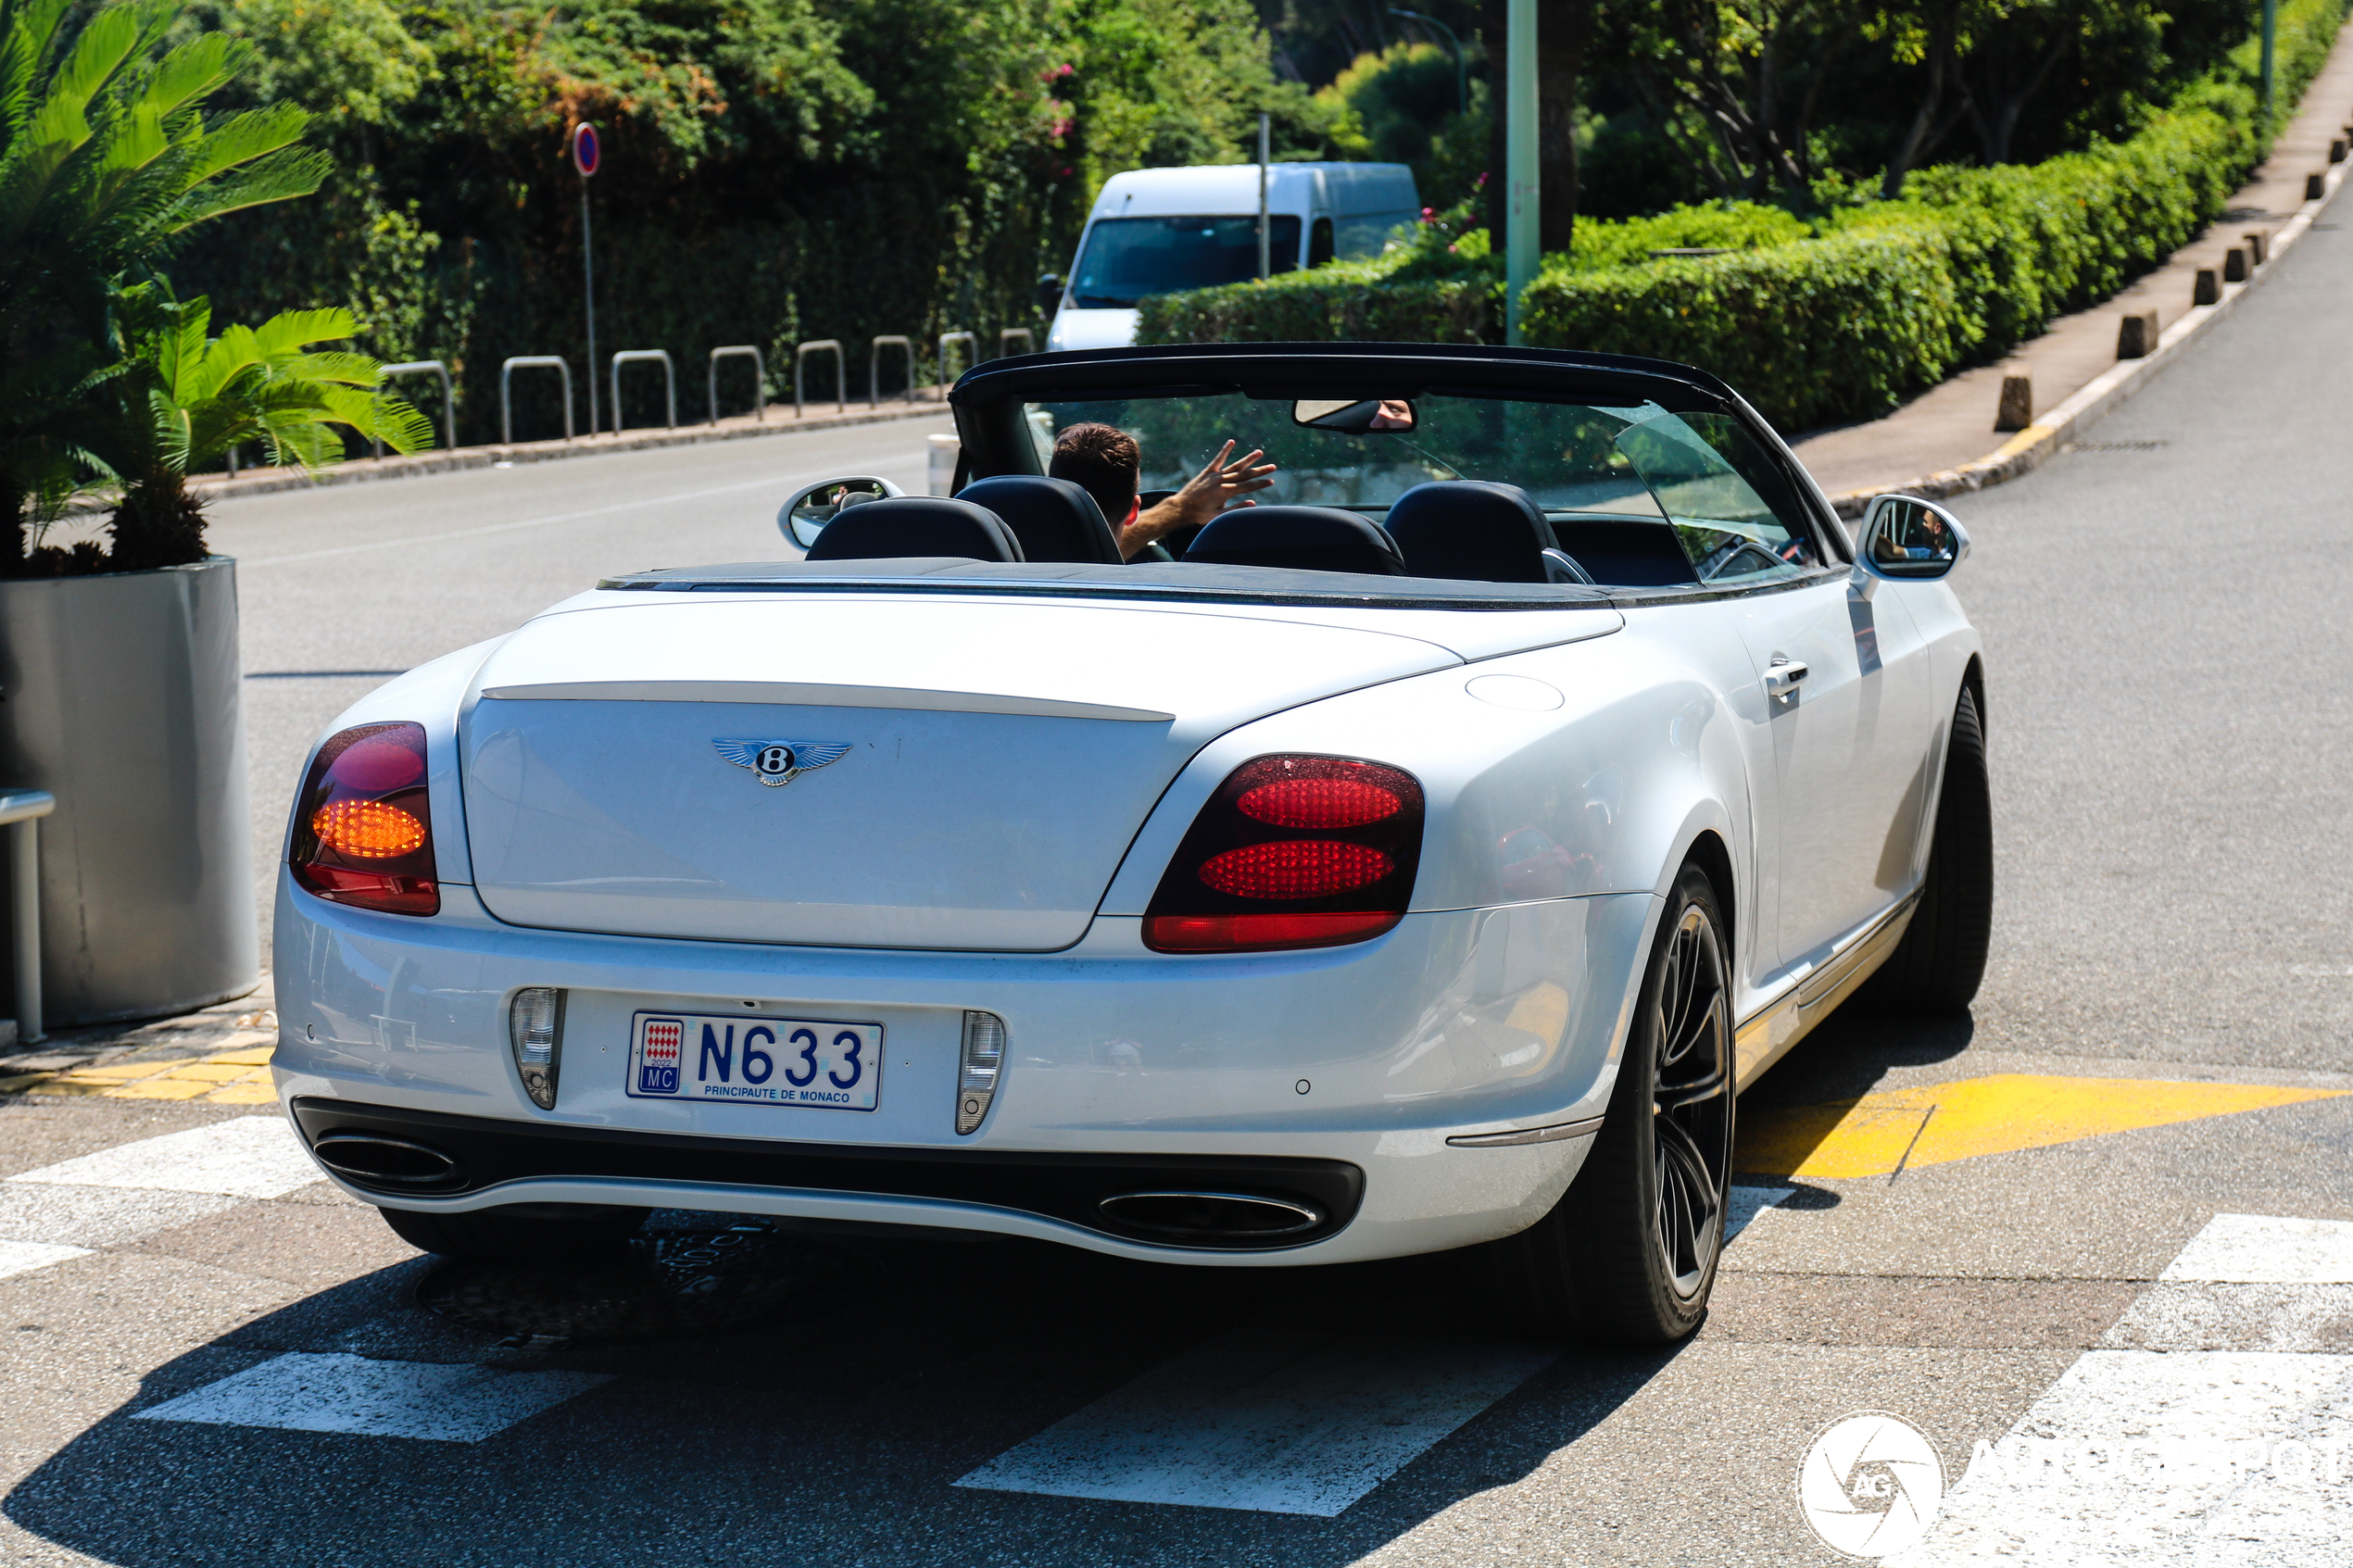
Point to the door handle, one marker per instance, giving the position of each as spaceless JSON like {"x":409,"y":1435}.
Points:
{"x":1782,"y":676}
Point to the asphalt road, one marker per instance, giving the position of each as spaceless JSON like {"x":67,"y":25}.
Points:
{"x":221,"y":1377}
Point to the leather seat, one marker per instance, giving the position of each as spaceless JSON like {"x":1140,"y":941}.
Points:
{"x":1471,"y":531}
{"x":916,"y":525}
{"x":1303,"y":538}
{"x":1054,"y":519}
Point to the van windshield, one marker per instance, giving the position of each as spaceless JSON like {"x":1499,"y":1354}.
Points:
{"x":1127,"y":258}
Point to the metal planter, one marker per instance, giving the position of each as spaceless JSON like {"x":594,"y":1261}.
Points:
{"x":120,"y":696}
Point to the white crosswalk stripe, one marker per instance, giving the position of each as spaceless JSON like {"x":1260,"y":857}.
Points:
{"x":437,"y":1401}
{"x":23,"y":1256}
{"x":243,"y":1157}
{"x":2224,"y":1436}
{"x":1273,"y":1422}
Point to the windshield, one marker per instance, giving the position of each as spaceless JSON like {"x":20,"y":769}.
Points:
{"x":1127,"y":259}
{"x":1711,"y":497}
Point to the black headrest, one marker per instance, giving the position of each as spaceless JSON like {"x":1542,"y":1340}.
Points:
{"x":1054,"y":519}
{"x":916,"y":525}
{"x":1468,"y":529}
{"x":1312,"y":538}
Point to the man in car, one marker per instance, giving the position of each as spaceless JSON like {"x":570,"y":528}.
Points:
{"x":1106,"y":463}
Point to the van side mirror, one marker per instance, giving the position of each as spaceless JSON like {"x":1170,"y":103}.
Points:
{"x":804,"y":517}
{"x":1049,"y":294}
{"x":1906,"y":538}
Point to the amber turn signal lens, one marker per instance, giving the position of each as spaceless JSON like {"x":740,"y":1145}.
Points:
{"x":368,"y":830}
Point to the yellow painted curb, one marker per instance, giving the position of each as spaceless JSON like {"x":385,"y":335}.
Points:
{"x":160,"y":1088}
{"x":1936,"y":1124}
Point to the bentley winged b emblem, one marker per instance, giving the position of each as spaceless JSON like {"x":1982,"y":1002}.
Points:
{"x":778,"y":763}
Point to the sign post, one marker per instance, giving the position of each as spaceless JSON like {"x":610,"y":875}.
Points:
{"x":587,"y":153}
{"x":1266,"y":257}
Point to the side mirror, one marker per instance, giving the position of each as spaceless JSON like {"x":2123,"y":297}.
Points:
{"x":1906,"y":539}
{"x":1050,"y":295}
{"x":804,"y":517}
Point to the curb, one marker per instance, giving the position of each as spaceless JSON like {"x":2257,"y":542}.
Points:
{"x":2039,"y":442}
{"x":369,"y":470}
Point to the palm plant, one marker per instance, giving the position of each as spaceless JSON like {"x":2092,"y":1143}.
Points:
{"x":182,"y":398}
{"x":106,"y":160}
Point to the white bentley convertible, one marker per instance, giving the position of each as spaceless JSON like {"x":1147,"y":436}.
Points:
{"x":1424,"y":860}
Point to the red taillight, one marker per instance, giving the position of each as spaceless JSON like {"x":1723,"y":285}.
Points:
{"x":363,"y":827}
{"x":1300,"y":868}
{"x":1320,"y":796}
{"x":1292,"y":852}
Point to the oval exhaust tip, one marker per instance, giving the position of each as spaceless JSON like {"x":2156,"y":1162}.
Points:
{"x":1211,"y":1217}
{"x":380,"y":1160}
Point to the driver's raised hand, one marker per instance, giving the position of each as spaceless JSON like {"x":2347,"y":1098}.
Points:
{"x":1224,"y":481}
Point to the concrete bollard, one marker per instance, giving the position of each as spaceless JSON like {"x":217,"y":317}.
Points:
{"x":2205,"y":290}
{"x":2258,"y":246}
{"x":2336,"y":150}
{"x":2136,"y":337}
{"x":2016,"y":409}
{"x":2315,"y":187}
{"x":2235,"y":265}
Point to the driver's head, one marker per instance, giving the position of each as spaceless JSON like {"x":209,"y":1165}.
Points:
{"x":1104,"y":462}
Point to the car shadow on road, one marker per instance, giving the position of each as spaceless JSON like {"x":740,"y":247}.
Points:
{"x":832,"y":1434}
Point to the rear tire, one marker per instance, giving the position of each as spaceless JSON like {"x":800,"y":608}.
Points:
{"x":1629,"y":1252}
{"x":544,"y":1237}
{"x":1941,"y":961}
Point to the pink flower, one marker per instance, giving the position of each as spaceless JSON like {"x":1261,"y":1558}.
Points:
{"x":1427,"y":213}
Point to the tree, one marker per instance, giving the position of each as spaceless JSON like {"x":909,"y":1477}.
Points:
{"x":106,"y":161}
{"x":182,"y":399}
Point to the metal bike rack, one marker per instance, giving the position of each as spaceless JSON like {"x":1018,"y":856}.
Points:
{"x":972,"y":355}
{"x":20,"y":812}
{"x":874,"y":369}
{"x":1028,"y":338}
{"x":669,"y":380}
{"x":800,"y":374}
{"x":506,"y":402}
{"x":759,"y":383}
{"x":448,"y":399}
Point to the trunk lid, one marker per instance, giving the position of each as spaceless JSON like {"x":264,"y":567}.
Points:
{"x":963,"y":773}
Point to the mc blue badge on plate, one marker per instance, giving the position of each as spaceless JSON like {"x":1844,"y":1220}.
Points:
{"x":825,"y":1065}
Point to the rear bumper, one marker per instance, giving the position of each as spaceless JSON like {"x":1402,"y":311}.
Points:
{"x":1124,"y":1069}
{"x":494,"y":1157}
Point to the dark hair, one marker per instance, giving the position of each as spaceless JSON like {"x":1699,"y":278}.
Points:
{"x":1104,"y":462}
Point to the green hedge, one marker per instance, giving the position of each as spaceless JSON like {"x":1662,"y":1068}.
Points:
{"x":1834,"y":321}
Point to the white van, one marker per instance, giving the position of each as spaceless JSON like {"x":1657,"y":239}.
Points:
{"x":1159,"y":230}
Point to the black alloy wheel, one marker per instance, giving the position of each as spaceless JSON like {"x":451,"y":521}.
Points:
{"x":1692,"y":1101}
{"x":1629,"y":1252}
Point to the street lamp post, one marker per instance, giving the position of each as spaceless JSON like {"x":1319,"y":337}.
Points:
{"x":1521,"y":256}
{"x":2270,"y":30}
{"x":1462,"y":72}
{"x":587,"y":154}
